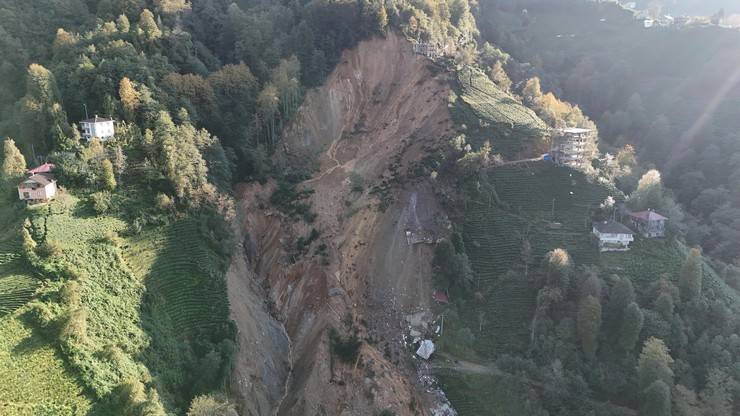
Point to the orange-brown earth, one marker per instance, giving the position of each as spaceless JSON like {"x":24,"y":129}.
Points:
{"x":380,"y":111}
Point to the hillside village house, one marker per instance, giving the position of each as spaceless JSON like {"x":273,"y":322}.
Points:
{"x":102,"y":128}
{"x":613,"y":236}
{"x":40,"y":187}
{"x":648,"y":223}
{"x":570,"y":146}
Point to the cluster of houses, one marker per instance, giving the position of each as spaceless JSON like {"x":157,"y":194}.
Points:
{"x":40,"y":185}
{"x":615,"y":236}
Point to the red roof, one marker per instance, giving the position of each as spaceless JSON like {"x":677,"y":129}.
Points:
{"x":440,"y":297}
{"x":45,"y":168}
{"x":648,"y":216}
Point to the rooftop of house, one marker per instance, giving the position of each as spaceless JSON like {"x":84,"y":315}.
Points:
{"x":39,"y":178}
{"x":612,"y":227}
{"x":96,"y":119}
{"x":576,"y":130}
{"x":648,"y":215}
{"x":45,"y":168}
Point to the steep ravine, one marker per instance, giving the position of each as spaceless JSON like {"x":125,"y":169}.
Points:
{"x":379,"y":113}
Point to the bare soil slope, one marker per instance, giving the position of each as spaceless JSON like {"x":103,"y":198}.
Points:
{"x":378,"y":114}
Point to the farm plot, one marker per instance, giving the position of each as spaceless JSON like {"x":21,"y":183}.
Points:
{"x":491,"y":114}
{"x":17,"y":286}
{"x":183,"y":274}
{"x":494,"y":235}
{"x":492,"y":104}
{"x":483,"y":394}
{"x":35,"y":380}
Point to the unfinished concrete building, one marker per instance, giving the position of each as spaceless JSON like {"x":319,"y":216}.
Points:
{"x":572,"y":147}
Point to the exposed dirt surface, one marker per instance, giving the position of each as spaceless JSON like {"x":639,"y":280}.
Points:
{"x":263,"y":364}
{"x":379,"y":113}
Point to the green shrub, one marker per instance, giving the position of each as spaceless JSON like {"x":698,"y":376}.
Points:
{"x":345,"y":348}
{"x":210,"y":405}
{"x":164,"y":202}
{"x":49,"y":249}
{"x":101,"y":202}
{"x":356,"y":182}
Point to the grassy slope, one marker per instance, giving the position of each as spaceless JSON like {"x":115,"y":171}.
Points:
{"x":186,"y":299}
{"x":35,"y":378}
{"x":127,"y":335}
{"x":491,"y":114}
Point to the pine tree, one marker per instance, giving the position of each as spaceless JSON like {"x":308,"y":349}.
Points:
{"x":690,"y":279}
{"x":631,"y":325}
{"x":664,"y":306}
{"x":654,"y":364}
{"x":620,"y":297}
{"x":171,"y":6}
{"x":119,"y":161}
{"x":499,"y":76}
{"x":14,"y":164}
{"x":717,"y":394}
{"x":656,"y":400}
{"x":558,"y":268}
{"x":532,"y":92}
{"x":589,"y":323}
{"x":129,"y":97}
{"x":123,"y":24}
{"x":107,"y":177}
{"x":148,"y":26}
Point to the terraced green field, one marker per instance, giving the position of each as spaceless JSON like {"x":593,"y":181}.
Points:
{"x":183,"y":272}
{"x":491,"y":114}
{"x":35,"y":378}
{"x":493,"y":234}
{"x":17,"y":286}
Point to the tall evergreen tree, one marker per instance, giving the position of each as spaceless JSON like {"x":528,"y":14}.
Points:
{"x":148,"y":26}
{"x":631,"y":325}
{"x":656,"y":400}
{"x":654,"y":364}
{"x":690,"y":279}
{"x":14,"y":164}
{"x":589,"y":323}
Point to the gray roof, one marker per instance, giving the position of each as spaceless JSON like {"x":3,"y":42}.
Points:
{"x":39,"y":178}
{"x":96,"y":119}
{"x":612,"y":227}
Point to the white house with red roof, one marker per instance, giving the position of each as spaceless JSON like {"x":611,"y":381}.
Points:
{"x":648,"y":223}
{"x":40,"y":187}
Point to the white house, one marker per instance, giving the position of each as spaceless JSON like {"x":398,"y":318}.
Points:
{"x":649,"y":223}
{"x":37,"y":188}
{"x":102,"y":128}
{"x":613,"y":236}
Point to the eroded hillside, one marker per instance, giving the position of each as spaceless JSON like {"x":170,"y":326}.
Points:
{"x":346,"y":264}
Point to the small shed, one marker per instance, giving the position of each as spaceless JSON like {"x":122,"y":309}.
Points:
{"x":648,"y":223}
{"x":40,"y":187}
{"x":613,"y":236}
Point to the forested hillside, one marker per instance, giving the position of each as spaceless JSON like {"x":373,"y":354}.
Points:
{"x":413,"y":180}
{"x":114,"y":293}
{"x":677,"y":107}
